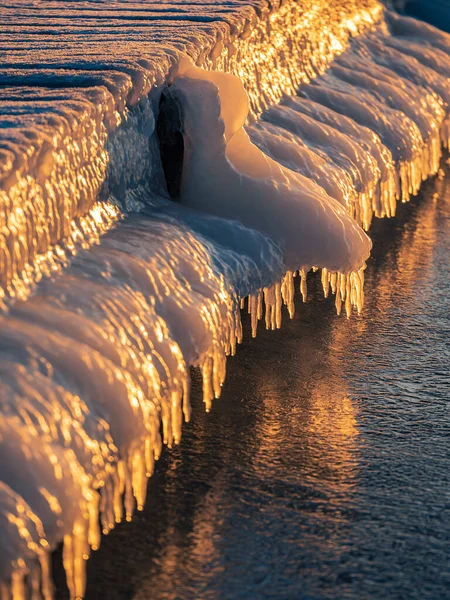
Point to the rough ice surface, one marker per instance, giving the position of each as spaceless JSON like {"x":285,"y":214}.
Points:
{"x":300,"y":122}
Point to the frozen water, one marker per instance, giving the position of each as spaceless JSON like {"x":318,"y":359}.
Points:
{"x":111,"y":291}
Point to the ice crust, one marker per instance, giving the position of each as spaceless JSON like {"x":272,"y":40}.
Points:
{"x":300,"y":123}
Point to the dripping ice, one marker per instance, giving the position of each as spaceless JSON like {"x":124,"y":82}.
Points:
{"x":94,"y":383}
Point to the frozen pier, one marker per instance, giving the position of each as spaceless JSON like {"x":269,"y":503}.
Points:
{"x":163,"y":165}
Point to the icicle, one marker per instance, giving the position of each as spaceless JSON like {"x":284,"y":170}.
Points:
{"x":338,"y":303}
{"x":254,"y":310}
{"x":138,"y":477}
{"x":208,"y":393}
{"x":272,"y":299}
{"x":119,"y":489}
{"x":46,"y":582}
{"x":287,"y":292}
{"x":260,"y":306}
{"x":333,"y":282}
{"x":128,"y":497}
{"x":68,"y":564}
{"x":348,"y":303}
{"x":278,"y":305}
{"x":325,"y":279}
{"x":34,"y":584}
{"x":303,"y":285}
{"x":94,"y":527}
{"x":239,"y":332}
{"x":80,"y":552}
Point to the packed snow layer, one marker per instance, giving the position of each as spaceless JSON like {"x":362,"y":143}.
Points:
{"x":96,"y":360}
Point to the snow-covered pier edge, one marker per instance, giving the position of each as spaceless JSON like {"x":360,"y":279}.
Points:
{"x":80,"y":100}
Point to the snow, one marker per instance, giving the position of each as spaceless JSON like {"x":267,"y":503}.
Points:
{"x":111,"y":291}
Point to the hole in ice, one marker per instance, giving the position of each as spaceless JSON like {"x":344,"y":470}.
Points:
{"x":171,"y":144}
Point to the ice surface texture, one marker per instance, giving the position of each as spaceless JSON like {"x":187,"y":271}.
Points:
{"x":94,"y":365}
{"x":80,"y":91}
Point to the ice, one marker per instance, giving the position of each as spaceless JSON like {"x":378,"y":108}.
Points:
{"x":97,"y":359}
{"x":87,"y":81}
{"x":299,"y":125}
{"x":224,"y":173}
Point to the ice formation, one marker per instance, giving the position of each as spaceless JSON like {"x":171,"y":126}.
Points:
{"x":225,"y":174}
{"x":294,"y":126}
